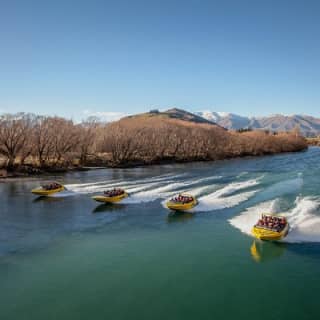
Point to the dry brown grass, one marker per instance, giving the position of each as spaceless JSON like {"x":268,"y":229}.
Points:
{"x":313,"y":141}
{"x":149,"y":139}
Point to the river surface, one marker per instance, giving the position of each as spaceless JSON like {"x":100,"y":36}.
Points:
{"x":67,"y":257}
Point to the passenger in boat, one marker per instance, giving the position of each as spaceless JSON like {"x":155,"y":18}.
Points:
{"x":114,"y":192}
{"x":273,"y":223}
{"x":182,"y":199}
{"x":51,"y":186}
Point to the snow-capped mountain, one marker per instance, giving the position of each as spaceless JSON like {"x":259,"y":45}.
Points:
{"x":227,"y":120}
{"x":212,"y":116}
{"x":309,"y":126}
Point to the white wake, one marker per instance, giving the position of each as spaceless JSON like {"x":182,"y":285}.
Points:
{"x":103,"y":185}
{"x":304,"y":218}
{"x":163,"y":191}
{"x":225,"y":197}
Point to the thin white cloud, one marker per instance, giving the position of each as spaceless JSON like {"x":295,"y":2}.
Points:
{"x":104,"y":116}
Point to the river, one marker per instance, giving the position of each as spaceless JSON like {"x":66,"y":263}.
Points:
{"x":67,"y":257}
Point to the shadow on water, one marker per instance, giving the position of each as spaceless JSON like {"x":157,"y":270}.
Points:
{"x":46,"y":199}
{"x":179,"y":216}
{"x":108,"y":207}
{"x":265,"y":251}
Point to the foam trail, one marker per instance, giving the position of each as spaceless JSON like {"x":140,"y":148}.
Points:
{"x":124,"y":184}
{"x":208,"y":179}
{"x":160,"y":192}
{"x":200,"y":190}
{"x":303,"y":220}
{"x":242,"y":174}
{"x":236,"y":186}
{"x":165,"y":191}
{"x":245,"y":221}
{"x":102,"y":185}
{"x":149,"y":195}
{"x":99,"y":188}
{"x":138,"y":188}
{"x":223,"y":197}
{"x":213,"y":202}
{"x":83,"y":187}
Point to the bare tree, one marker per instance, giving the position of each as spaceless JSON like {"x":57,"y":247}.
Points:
{"x":65,"y":138}
{"x":43,"y":140}
{"x":15,"y":131}
{"x":87,"y":132}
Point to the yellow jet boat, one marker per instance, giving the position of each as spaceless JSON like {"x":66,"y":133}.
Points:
{"x":271,"y":227}
{"x":182,"y":202}
{"x":111,"y":196}
{"x":48,"y":189}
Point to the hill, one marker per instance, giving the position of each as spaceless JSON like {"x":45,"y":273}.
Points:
{"x":174,"y":113}
{"x":177,"y":135}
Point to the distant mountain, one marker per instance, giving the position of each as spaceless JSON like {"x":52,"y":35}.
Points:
{"x":226,"y":120}
{"x":309,"y":126}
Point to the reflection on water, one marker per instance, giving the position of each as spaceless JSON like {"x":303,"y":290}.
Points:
{"x":179,"y":216}
{"x":108,"y":207}
{"x":262,"y":251}
{"x":46,"y":199}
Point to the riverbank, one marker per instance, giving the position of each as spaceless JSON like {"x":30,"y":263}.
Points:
{"x":33,"y":172}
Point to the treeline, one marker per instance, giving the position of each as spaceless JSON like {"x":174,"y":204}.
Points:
{"x":41,"y":142}
{"x":44,"y":142}
{"x":150,"y":140}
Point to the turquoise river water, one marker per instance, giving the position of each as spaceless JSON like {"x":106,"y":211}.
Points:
{"x":67,"y":257}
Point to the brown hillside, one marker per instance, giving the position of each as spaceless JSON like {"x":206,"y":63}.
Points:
{"x":149,"y":138}
{"x":174,"y":113}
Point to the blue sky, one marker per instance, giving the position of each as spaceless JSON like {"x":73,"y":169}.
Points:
{"x":74,"y":58}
